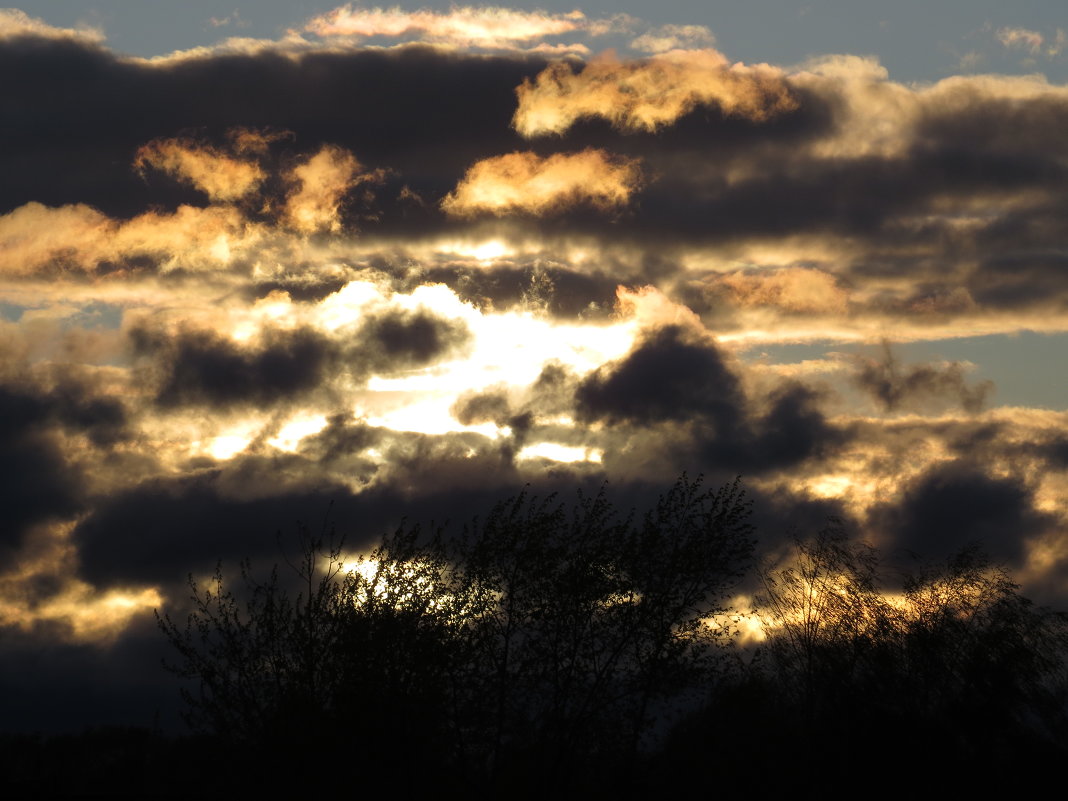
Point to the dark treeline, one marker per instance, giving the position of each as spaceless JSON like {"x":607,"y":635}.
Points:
{"x":571,"y":650}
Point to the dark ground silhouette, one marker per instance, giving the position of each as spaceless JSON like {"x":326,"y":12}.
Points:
{"x":555,"y":650}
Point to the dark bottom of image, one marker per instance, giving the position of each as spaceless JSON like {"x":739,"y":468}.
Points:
{"x":554,"y":650}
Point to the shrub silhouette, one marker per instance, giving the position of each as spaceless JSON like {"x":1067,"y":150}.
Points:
{"x":536,"y":650}
{"x":955,"y":674}
{"x":553,"y":648}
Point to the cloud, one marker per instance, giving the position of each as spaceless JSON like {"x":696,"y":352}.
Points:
{"x":323,"y":97}
{"x":528,"y":183}
{"x":36,"y":238}
{"x":15,"y":23}
{"x":675,"y":396}
{"x":668,"y":376}
{"x":648,"y":94}
{"x":201,"y":367}
{"x":896,"y":387}
{"x":488,"y":26}
{"x":280,"y":365}
{"x":673,"y":37}
{"x":482,"y":407}
{"x":956,"y":504}
{"x":791,"y":289}
{"x":1033,"y":42}
{"x":218,"y":175}
{"x":1021,"y":37}
{"x":320,"y":184}
{"x":400,"y":339}
{"x":41,"y":479}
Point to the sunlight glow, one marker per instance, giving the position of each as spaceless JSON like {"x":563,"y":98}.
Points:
{"x":227,"y":446}
{"x":289,"y":436}
{"x":494,"y":249}
{"x":555,"y":452}
{"x":429,"y":416}
{"x":485,"y":251}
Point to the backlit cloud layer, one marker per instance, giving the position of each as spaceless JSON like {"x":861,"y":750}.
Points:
{"x":277,"y":281}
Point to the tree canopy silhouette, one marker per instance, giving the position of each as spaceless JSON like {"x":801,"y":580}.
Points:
{"x":573,"y":648}
{"x":944,"y":667}
{"x":538,"y":647}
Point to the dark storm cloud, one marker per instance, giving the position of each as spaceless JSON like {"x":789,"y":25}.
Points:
{"x":51,"y":686}
{"x":1056,"y":451}
{"x":343,"y":436}
{"x":790,"y":429}
{"x":482,"y":407}
{"x":300,"y":288}
{"x":996,"y":125}
{"x":670,"y":378}
{"x":400,"y":339}
{"x":895,"y":386}
{"x":162,"y":529}
{"x":1016,"y":280}
{"x":378,"y":104}
{"x":38,"y":481}
{"x":198,"y":367}
{"x":564,"y":293}
{"x":665,"y":377}
{"x":957,"y":504}
{"x":204,"y":368}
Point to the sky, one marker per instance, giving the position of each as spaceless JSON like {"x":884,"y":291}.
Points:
{"x":297,"y":262}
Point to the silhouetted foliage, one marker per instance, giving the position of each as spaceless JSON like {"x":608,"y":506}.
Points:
{"x":556,"y":649}
{"x":534,"y":651}
{"x":591,"y":626}
{"x":949,"y":669}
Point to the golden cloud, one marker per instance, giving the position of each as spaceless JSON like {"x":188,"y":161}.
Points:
{"x":216,"y":174}
{"x":879,"y":117}
{"x":1021,"y":37}
{"x":526,"y":182}
{"x":255,"y":142}
{"x":673,"y":37}
{"x":35,"y":237}
{"x":320,"y":184}
{"x":650,"y":308}
{"x":791,"y":289}
{"x":464,"y":25}
{"x":15,"y":23}
{"x":648,"y":94}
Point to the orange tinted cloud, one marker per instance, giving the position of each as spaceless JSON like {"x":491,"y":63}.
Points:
{"x":486,"y":27}
{"x":526,"y":182}
{"x":1021,"y":37}
{"x":651,"y":308}
{"x":219,"y":176}
{"x":249,"y":141}
{"x":647,"y":94}
{"x":673,"y":37}
{"x":793,"y":289}
{"x":18,"y":23}
{"x":320,"y":184}
{"x":36,"y":238}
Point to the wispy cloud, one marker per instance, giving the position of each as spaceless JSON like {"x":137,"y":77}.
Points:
{"x":486,"y":26}
{"x":1034,"y":42}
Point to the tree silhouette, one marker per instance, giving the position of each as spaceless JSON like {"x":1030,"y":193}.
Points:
{"x":593,"y":623}
{"x":534,"y":650}
{"x":955,"y":672}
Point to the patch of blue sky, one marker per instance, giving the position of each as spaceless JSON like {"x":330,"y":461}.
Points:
{"x":1028,"y":369}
